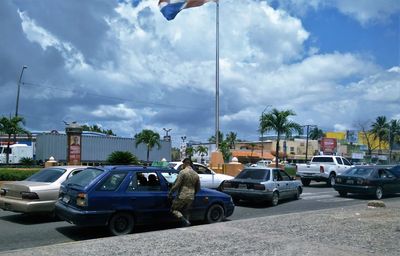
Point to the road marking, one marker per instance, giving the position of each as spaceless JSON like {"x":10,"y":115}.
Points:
{"x":334,"y":200}
{"x":317,"y":197}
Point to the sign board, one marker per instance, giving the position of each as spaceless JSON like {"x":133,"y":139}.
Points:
{"x":328,"y":145}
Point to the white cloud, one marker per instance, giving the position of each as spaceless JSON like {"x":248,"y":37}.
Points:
{"x":364,"y":11}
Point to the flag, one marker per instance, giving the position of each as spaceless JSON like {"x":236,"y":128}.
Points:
{"x":170,"y":8}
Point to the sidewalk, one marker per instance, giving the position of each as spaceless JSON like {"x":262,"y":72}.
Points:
{"x":355,"y":230}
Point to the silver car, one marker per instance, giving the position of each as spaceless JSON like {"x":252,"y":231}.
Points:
{"x":38,"y":193}
{"x":262,"y":184}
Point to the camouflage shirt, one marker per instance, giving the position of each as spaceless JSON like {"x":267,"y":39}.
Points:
{"x":187,"y":184}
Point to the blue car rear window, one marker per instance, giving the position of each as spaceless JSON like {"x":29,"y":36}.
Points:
{"x":84,"y":177}
{"x":47,"y":175}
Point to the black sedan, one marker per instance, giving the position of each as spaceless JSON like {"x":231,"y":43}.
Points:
{"x":369,"y":180}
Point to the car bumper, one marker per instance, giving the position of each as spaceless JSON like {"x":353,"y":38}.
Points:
{"x":314,"y":176}
{"x":249,"y":194}
{"x":26,"y":206}
{"x":81,"y":217}
{"x":229,"y":208}
{"x":354,"y":189}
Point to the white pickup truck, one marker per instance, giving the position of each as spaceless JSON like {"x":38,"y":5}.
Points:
{"x":322,"y":168}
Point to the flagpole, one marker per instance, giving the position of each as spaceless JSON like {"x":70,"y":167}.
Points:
{"x":217,"y":77}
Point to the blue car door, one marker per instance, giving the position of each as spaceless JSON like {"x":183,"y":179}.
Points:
{"x":147,"y":195}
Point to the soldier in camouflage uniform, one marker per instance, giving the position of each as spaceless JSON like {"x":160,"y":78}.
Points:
{"x":187,"y":184}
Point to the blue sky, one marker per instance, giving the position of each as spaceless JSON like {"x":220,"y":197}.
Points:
{"x":121,"y":65}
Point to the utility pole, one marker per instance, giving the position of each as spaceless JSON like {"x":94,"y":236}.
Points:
{"x":262,"y":132}
{"x":17,"y":101}
{"x":18,"y":89}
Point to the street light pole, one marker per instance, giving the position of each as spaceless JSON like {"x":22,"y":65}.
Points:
{"x":18,"y":89}
{"x":308,"y":131}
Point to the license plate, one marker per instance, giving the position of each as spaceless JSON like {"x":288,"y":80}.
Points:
{"x":66,"y":199}
{"x":350,"y":181}
{"x":242,"y":186}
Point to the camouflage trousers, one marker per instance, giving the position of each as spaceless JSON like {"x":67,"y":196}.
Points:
{"x":180,"y":207}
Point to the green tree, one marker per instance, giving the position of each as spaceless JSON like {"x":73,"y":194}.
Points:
{"x":12,"y":126}
{"x":220,"y":138}
{"x":202,"y":151}
{"x":96,"y":128}
{"x":230,"y":139}
{"x":279,"y":122}
{"x":316,"y":133}
{"x":225,"y":150}
{"x":189,"y":151}
{"x":150,"y":138}
{"x":380,"y":129}
{"x":122,"y":158}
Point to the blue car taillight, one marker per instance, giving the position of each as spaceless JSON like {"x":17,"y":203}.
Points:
{"x":82,"y":200}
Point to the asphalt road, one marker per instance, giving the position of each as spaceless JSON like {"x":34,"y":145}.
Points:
{"x":24,"y":231}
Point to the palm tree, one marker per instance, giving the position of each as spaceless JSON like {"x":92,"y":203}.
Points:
{"x":189,"y":151}
{"x":220,"y":138}
{"x":316,"y":134}
{"x":149,"y":138}
{"x":278,"y":121}
{"x":11,"y":126}
{"x":230,"y":139}
{"x":393,"y":135}
{"x":379,"y":129}
{"x":203,"y":151}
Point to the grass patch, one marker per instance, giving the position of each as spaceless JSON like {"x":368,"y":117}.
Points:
{"x":291,"y":171}
{"x":11,"y":174}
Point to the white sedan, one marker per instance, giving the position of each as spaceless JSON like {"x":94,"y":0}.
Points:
{"x":208,"y":178}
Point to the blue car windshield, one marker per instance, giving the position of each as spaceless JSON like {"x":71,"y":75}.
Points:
{"x":84,"y":177}
{"x":359,"y":171}
{"x":254,"y":174}
{"x":47,"y":175}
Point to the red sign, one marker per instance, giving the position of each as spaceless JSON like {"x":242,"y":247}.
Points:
{"x":74,"y":149}
{"x":328,"y":145}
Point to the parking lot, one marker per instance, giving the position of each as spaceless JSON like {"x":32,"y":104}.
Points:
{"x":24,"y":231}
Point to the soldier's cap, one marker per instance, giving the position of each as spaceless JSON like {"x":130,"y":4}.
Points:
{"x":187,"y":160}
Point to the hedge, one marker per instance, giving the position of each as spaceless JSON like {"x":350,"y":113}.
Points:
{"x":11,"y":174}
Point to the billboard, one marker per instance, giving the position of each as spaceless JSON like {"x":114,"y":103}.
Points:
{"x":328,"y":145}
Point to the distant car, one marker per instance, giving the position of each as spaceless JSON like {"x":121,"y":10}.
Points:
{"x":368,"y":180}
{"x":122,"y":197}
{"x":208,"y":178}
{"x":260,"y":184}
{"x":38,"y":193}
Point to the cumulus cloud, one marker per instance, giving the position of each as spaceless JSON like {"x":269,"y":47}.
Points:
{"x":125,"y":67}
{"x":364,"y":11}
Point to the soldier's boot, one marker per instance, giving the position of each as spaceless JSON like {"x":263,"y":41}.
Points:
{"x":185,"y":222}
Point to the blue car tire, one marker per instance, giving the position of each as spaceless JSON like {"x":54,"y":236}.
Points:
{"x":121,"y":223}
{"x":215,"y":213}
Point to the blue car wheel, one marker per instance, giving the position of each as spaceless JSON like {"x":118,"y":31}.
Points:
{"x":215,"y":213}
{"x":121,"y":223}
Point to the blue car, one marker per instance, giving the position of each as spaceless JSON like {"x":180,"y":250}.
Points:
{"x":121,"y":197}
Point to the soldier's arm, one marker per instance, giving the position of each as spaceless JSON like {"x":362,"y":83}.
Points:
{"x":177,"y":184}
{"x":197,"y":189}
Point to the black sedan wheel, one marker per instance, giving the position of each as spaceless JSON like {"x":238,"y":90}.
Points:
{"x":342,"y":193}
{"x":275,"y":199}
{"x":121,"y":223}
{"x":378,"y":193}
{"x":215,"y":213}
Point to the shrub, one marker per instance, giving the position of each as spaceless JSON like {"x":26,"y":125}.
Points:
{"x":27,"y":161}
{"x":16,"y":174}
{"x":122,"y":157}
